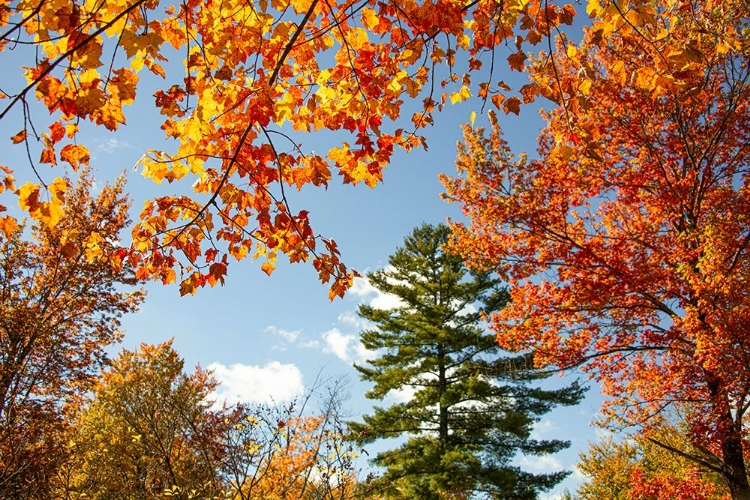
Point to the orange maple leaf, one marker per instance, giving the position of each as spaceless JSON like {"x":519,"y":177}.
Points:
{"x":512,"y":105}
{"x":75,"y":155}
{"x":517,"y":60}
{"x":19,"y":137}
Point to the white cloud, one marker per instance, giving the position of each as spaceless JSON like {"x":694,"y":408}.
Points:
{"x":337,"y":343}
{"x":374,"y":297}
{"x":546,"y":463}
{"x":352,"y":319}
{"x":274,"y":382}
{"x":287,"y":335}
{"x":346,"y":347}
{"x":112,"y":145}
{"x":403,"y":395}
{"x":466,"y":309}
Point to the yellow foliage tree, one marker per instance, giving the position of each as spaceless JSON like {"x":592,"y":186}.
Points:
{"x":148,"y":432}
{"x":632,"y":468}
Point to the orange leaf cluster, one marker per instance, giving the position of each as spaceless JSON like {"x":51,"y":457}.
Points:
{"x":255,"y":74}
{"x":692,"y":486}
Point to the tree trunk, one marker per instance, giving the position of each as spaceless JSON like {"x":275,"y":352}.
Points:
{"x":730,"y":432}
{"x":735,"y":472}
{"x":443,"y":411}
{"x":739,"y":492}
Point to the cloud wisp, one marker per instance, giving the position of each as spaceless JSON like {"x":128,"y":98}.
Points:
{"x":287,"y":335}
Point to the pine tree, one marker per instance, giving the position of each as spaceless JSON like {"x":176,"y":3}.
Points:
{"x":472,"y":409}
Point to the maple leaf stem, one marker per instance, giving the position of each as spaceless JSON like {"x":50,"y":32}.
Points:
{"x":558,"y":79}
{"x":644,"y":37}
{"x":222,"y":182}
{"x":468,"y":6}
{"x":27,"y":123}
{"x":285,"y":201}
{"x":349,"y":51}
{"x":327,"y":28}
{"x":710,"y":462}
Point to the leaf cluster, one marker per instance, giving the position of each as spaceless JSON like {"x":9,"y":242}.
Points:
{"x":237,"y":83}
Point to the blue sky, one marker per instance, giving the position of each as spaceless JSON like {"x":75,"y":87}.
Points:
{"x":270,"y":337}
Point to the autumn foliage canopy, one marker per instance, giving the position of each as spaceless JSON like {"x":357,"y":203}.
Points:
{"x":625,"y":239}
{"x":150,"y":429}
{"x":62,"y":296}
{"x":238,"y":83}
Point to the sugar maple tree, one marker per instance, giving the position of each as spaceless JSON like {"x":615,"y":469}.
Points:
{"x":242,"y":81}
{"x":626,"y":240}
{"x":61,"y":298}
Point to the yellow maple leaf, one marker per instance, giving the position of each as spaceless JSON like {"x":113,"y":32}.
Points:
{"x":369,"y":18}
{"x":92,"y":247}
{"x":593,"y":7}
{"x":28,"y":196}
{"x":58,"y":188}
{"x":461,"y":95}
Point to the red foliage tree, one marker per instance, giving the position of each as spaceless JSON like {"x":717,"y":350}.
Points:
{"x":61,"y":298}
{"x":626,"y":241}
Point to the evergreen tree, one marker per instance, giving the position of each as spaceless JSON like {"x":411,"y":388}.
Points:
{"x":473,"y":409}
